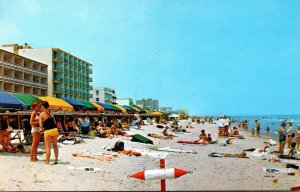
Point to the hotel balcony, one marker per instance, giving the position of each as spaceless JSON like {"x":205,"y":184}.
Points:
{"x":57,"y":58}
{"x":66,"y":80}
{"x":57,"y":79}
{"x":57,"y":90}
{"x":90,"y":71}
{"x":90,"y":87}
{"x":58,"y":69}
{"x":90,"y":79}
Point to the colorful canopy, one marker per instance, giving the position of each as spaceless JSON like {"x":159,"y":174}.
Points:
{"x":157,"y":113}
{"x":136,"y":109}
{"x":108,"y":107}
{"x":128,"y":108}
{"x":99,"y":107}
{"x":88,"y":105}
{"x":76,"y":104}
{"x":57,"y":104}
{"x":9,"y":101}
{"x":27,"y":99}
{"x":121,"y":108}
{"x":141,"y":109}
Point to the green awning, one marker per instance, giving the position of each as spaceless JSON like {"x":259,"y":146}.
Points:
{"x":27,"y":99}
{"x":88,"y":105}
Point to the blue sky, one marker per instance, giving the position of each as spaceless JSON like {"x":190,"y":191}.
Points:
{"x":208,"y":56}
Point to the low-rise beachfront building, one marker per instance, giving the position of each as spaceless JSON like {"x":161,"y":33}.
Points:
{"x":104,"y":95}
{"x":22,"y":75}
{"x":166,"y":109}
{"x":68,"y":75}
{"x":182,"y":111}
{"x":148,"y":104}
{"x":125,"y":101}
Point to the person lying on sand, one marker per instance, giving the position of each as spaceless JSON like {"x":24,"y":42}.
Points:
{"x":159,"y":136}
{"x":20,"y":148}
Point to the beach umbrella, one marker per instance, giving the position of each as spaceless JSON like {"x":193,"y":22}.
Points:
{"x":89,"y":105}
{"x":10,"y":101}
{"x":99,"y":107}
{"x":157,"y":113}
{"x":136,"y":109}
{"x":121,"y":108}
{"x":108,"y":107}
{"x":128,"y":108}
{"x":57,"y":104}
{"x":76,"y":104}
{"x":27,"y":99}
{"x":141,"y":109}
{"x":174,"y":116}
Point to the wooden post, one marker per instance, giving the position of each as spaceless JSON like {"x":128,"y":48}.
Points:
{"x":163,"y":181}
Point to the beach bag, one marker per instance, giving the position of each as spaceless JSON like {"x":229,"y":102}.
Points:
{"x":160,"y":126}
{"x":119,"y":146}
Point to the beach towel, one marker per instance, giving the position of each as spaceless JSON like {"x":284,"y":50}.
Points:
{"x":133,"y":123}
{"x":168,"y":149}
{"x":149,"y":153}
{"x":271,"y":142}
{"x":192,"y":142}
{"x":101,"y":158}
{"x":179,"y":132}
{"x":130,"y":152}
{"x":86,"y":169}
{"x":215,"y":154}
{"x":277,"y":170}
{"x":141,"y":139}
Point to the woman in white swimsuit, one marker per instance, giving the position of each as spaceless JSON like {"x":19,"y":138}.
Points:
{"x":35,"y":130}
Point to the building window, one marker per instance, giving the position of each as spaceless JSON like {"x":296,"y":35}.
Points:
{"x":97,"y":99}
{"x":97,"y":92}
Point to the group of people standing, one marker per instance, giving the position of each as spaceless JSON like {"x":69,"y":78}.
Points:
{"x":289,"y":136}
{"x":42,"y":120}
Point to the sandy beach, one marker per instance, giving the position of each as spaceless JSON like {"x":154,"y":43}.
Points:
{"x":209,"y":173}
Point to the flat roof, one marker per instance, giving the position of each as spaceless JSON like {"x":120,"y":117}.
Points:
{"x":23,"y":57}
{"x":58,"y":49}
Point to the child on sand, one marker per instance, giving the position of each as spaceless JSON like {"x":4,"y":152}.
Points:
{"x":268,"y":130}
{"x":252,"y":132}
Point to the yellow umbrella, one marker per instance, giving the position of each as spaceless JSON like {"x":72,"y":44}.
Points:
{"x":57,"y":104}
{"x":136,"y":109}
{"x":157,"y":113}
{"x":121,"y":108}
{"x":100,"y":108}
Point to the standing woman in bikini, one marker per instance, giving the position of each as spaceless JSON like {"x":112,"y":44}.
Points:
{"x":48,"y":125}
{"x":34,"y":122}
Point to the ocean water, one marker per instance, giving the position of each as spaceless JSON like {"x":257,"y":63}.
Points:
{"x":273,"y":121}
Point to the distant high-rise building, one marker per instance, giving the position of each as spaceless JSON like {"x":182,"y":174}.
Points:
{"x":166,"y":109}
{"x":125,"y":101}
{"x":19,"y":74}
{"x":103,"y":95}
{"x":68,"y":75}
{"x":148,"y":104}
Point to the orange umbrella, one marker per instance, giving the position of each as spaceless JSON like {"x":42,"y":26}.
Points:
{"x":100,"y":108}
